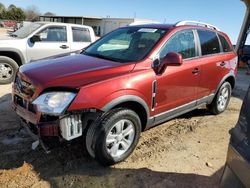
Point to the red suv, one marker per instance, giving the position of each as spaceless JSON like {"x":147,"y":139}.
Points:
{"x":132,"y":79}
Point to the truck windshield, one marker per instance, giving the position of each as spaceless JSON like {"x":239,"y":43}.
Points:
{"x":26,"y":30}
{"x":126,"y":44}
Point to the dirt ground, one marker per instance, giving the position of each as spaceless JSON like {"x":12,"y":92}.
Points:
{"x":188,"y":151}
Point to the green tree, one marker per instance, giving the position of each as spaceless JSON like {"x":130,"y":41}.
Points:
{"x":11,"y":6}
{"x":16,"y":14}
{"x":2,"y":10}
{"x":12,"y":13}
{"x":2,"y":7}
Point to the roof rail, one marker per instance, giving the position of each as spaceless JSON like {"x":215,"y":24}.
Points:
{"x":142,"y":23}
{"x":190,"y":22}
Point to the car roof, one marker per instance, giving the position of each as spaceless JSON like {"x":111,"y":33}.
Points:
{"x":60,"y":23}
{"x":172,"y":26}
{"x":158,"y":26}
{"x":168,"y":26}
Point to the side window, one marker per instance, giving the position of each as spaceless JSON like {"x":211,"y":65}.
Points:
{"x":209,"y":42}
{"x":182,"y":42}
{"x":225,"y":46}
{"x":53,"y":34}
{"x":80,"y":34}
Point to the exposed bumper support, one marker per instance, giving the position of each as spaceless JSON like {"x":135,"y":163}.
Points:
{"x":35,"y":137}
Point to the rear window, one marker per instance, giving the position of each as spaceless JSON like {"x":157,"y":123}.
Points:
{"x":81,"y":34}
{"x":209,"y":42}
{"x":225,"y":46}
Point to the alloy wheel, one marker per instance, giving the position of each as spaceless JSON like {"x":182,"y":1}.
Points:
{"x":223,"y":98}
{"x":120,"y":138}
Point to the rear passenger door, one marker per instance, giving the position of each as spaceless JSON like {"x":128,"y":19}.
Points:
{"x":214,"y":63}
{"x":81,"y":38}
{"x":177,"y":85}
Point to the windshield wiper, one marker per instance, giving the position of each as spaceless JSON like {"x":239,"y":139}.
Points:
{"x":101,"y":56}
{"x":13,"y":35}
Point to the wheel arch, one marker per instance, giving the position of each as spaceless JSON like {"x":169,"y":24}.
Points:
{"x":227,"y":78}
{"x":231,"y":80}
{"x":14,"y":54}
{"x":134,"y":103}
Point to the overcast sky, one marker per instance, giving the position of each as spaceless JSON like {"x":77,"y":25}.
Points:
{"x":225,"y":14}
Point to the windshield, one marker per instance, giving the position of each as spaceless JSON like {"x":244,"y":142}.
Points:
{"x":126,"y":44}
{"x":26,"y":30}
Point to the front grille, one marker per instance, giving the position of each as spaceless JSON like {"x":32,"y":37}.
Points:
{"x":24,"y":88}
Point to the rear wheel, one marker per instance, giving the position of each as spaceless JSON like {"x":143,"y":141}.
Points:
{"x":221,"y":99}
{"x":8,"y":69}
{"x":116,"y":136}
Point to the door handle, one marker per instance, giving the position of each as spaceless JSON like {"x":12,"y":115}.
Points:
{"x":196,"y":71}
{"x":222,"y":63}
{"x":64,"y":46}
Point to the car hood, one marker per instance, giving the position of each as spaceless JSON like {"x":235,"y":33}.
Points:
{"x":5,"y":40}
{"x":71,"y":71}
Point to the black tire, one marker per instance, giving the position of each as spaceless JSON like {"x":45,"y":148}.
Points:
{"x":216,"y":106}
{"x":8,"y":69}
{"x":97,"y":136}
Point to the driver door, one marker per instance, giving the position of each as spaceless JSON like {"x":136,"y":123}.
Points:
{"x":177,"y":86}
{"x":54,"y":41}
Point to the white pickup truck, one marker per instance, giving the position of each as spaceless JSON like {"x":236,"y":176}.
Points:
{"x":40,"y":40}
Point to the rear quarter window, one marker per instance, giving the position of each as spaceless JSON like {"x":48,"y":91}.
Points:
{"x":225,"y":45}
{"x":80,"y":34}
{"x":209,"y":42}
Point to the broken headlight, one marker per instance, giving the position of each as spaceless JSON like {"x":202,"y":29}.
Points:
{"x":54,"y":103}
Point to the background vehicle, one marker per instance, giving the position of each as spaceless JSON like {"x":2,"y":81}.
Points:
{"x":237,"y":168}
{"x":39,"y":40}
{"x":132,"y":79}
{"x":246,"y":53}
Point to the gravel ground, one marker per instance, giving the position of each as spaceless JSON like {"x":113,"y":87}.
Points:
{"x":188,"y":151}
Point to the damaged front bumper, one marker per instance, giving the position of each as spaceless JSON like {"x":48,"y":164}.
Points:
{"x":64,"y":125}
{"x":39,"y":126}
{"x":32,"y":119}
{"x":37,"y":139}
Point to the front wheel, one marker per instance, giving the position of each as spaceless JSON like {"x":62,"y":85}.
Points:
{"x":116,"y":136}
{"x":8,"y":69}
{"x":221,"y":99}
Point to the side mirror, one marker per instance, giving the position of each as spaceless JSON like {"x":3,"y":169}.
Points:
{"x":35,"y":38}
{"x":171,"y":59}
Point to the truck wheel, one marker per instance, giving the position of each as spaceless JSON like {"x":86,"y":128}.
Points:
{"x":8,"y":69}
{"x":115,"y":137}
{"x":221,"y":99}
